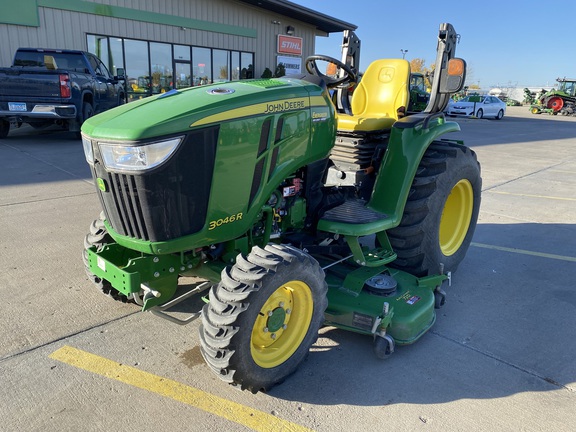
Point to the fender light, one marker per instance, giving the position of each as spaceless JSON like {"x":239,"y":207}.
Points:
{"x":142,"y":157}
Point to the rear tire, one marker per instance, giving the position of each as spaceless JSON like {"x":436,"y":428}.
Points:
{"x":556,"y":103}
{"x":4,"y":128}
{"x":263,"y":317}
{"x":500,"y":115}
{"x":441,"y":211}
{"x":87,"y":112}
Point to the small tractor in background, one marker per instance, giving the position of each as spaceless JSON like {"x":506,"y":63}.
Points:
{"x":293,"y":213}
{"x":558,"y":101}
{"x":419,"y":95}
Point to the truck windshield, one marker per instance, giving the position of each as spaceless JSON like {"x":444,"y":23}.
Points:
{"x":38,"y":59}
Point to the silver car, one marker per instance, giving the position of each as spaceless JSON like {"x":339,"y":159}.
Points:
{"x":477,"y":106}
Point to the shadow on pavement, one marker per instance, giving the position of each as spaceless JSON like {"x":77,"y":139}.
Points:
{"x":506,"y":328}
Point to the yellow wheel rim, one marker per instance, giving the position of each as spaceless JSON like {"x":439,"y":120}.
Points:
{"x":456,"y":217}
{"x":282,"y":324}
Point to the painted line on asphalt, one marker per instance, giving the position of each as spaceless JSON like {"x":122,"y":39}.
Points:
{"x":532,"y":196}
{"x":525,"y":252}
{"x":235,"y":412}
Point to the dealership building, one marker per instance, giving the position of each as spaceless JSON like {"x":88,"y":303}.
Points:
{"x":164,"y":44}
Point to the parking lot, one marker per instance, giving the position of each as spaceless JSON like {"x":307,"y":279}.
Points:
{"x":501,"y":355}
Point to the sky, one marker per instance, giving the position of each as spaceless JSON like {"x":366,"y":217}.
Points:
{"x":506,"y":43}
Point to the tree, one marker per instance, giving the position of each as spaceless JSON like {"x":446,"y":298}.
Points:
{"x":419,"y":65}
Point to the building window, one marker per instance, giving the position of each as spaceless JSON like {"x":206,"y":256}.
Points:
{"x":138,"y":80}
{"x":235,"y":65}
{"x":98,"y":45}
{"x":181,"y":52}
{"x":246,"y":65}
{"x":155,"y":67}
{"x":221,"y":65}
{"x":161,"y":67}
{"x":116,"y":59}
{"x":202,"y":70}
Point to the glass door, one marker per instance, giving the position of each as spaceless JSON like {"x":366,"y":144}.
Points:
{"x":183,"y":75}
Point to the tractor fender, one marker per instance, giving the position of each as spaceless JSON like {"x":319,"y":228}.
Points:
{"x":409,"y":139}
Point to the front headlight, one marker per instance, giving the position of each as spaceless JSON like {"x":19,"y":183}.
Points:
{"x":88,"y":152}
{"x":137,"y":157}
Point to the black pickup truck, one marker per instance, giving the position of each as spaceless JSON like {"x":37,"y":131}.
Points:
{"x":47,"y":86}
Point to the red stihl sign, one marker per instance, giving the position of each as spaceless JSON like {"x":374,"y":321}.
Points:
{"x":289,"y":45}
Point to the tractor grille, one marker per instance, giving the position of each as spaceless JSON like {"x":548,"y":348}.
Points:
{"x":167,"y":202}
{"x":131,"y":216}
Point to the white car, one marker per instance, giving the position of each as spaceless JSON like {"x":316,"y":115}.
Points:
{"x":478,"y":106}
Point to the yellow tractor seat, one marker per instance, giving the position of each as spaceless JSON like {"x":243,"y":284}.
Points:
{"x":382,"y":93}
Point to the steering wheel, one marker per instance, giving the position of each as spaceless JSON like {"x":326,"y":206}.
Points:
{"x":312,"y":68}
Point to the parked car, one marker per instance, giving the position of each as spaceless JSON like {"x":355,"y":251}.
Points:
{"x":47,"y":86}
{"x":478,"y":106}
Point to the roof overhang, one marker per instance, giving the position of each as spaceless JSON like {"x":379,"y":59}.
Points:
{"x":322,"y":22}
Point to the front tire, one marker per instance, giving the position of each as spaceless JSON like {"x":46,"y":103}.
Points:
{"x":263,"y":317}
{"x":480,"y":113}
{"x":441,"y":211}
{"x":98,"y":236}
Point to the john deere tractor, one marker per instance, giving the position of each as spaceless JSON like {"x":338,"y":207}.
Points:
{"x":292,"y":215}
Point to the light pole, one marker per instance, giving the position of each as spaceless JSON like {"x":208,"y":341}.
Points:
{"x":403,"y":51}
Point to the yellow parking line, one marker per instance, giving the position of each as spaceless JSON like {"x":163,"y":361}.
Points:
{"x":525,"y":252}
{"x":254,"y":419}
{"x":531,"y":196}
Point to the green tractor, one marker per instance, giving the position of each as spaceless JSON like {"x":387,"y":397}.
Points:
{"x":292,"y":215}
{"x":558,"y":101}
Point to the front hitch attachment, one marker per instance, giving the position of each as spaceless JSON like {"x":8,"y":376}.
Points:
{"x":159,"y":310}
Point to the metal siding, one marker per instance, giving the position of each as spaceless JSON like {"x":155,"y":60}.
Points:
{"x":67,"y":29}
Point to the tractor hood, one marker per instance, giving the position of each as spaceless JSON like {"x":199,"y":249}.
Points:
{"x":182,"y":110}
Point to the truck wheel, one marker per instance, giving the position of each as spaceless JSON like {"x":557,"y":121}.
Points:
{"x":99,"y":236}
{"x":263,"y":317}
{"x":4,"y":128}
{"x":441,"y":211}
{"x":87,"y":111}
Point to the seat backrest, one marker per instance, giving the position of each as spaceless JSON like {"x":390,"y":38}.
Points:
{"x":383,"y":90}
